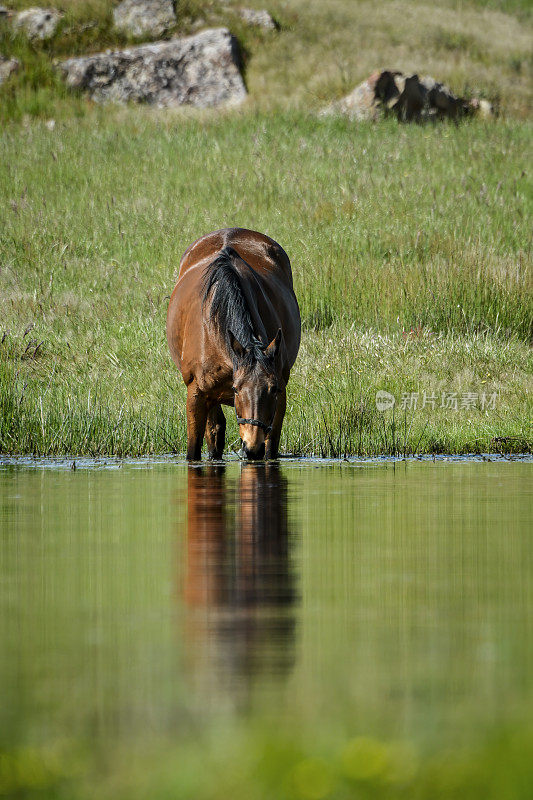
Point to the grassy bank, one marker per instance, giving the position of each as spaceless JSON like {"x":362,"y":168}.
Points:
{"x":411,"y":252}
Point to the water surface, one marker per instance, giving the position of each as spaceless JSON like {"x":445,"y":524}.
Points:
{"x":156,"y":599}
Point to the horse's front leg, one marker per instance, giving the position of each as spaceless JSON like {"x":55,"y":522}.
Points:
{"x":272,"y":442}
{"x":196,"y":419}
{"x":215,"y":432}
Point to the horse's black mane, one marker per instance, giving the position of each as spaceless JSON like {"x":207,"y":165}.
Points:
{"x":229,"y":309}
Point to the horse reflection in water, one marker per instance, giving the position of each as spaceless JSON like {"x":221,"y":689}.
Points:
{"x":239,"y":586}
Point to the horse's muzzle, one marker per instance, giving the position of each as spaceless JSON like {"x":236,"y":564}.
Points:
{"x":254,"y":454}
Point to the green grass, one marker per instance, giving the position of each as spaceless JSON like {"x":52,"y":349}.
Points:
{"x":265,"y":763}
{"x":37,"y":89}
{"x":411,"y":252}
{"x":410,"y":247}
{"x":320,"y":53}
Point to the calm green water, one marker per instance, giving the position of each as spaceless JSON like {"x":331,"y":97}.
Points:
{"x":159,"y":600}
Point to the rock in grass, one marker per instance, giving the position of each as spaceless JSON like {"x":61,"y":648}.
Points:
{"x":257,"y":18}
{"x":200,"y":70}
{"x":38,"y":23}
{"x":4,"y":12}
{"x":144,"y":17}
{"x":361,"y":104}
{"x":7,"y":66}
{"x":483,"y":108}
{"x":409,"y":97}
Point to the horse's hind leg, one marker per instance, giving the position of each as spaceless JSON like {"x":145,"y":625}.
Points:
{"x":215,"y":432}
{"x":272,"y":442}
{"x":196,"y":419}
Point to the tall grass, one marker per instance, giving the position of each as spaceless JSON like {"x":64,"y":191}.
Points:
{"x":411,"y":253}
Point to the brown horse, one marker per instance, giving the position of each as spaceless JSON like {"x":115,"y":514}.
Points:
{"x":233,"y":329}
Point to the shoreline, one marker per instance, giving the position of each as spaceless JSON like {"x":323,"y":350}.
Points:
{"x":74,"y":463}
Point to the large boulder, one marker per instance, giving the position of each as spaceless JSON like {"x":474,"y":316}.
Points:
{"x":409,"y":97}
{"x":7,"y":66}
{"x":144,"y":17}
{"x":200,"y":70}
{"x":38,"y":23}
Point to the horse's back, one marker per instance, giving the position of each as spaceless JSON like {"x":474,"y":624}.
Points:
{"x":261,"y":252}
{"x":272,"y":269}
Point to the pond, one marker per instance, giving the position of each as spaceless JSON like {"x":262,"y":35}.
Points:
{"x":154,"y":602}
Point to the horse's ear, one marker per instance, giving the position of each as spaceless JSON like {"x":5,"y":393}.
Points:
{"x":236,"y":346}
{"x":273,"y":348}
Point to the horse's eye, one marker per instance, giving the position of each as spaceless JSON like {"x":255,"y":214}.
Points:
{"x":234,"y":390}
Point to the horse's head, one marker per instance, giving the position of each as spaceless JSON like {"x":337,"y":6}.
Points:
{"x":256,"y":386}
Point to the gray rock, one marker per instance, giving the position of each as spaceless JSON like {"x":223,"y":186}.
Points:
{"x":144,"y":17}
{"x":440,"y":99}
{"x":7,"y":66}
{"x":425,"y":98}
{"x":4,"y":12}
{"x":483,"y":108}
{"x":361,"y":104}
{"x":200,"y":70}
{"x":408,"y":97}
{"x":257,"y":18}
{"x":38,"y":23}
